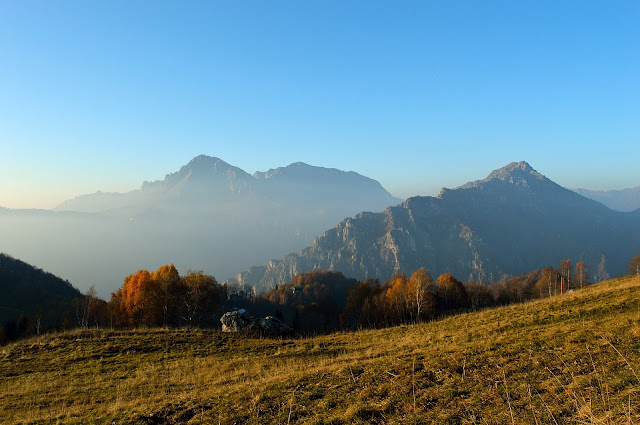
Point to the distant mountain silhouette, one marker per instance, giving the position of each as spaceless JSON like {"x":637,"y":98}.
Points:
{"x":619,"y":200}
{"x":513,"y":221}
{"x":208,"y":180}
{"x":208,"y":215}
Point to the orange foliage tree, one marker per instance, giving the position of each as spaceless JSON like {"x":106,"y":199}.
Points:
{"x":163,"y":298}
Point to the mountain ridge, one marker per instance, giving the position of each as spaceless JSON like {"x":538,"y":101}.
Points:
{"x":230,"y":180}
{"x":625,"y":200}
{"x":510,"y":222}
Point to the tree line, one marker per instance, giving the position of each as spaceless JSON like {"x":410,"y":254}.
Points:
{"x":315,"y":302}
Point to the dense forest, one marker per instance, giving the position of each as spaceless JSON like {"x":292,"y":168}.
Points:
{"x":317,"y":302}
{"x":33,"y":301}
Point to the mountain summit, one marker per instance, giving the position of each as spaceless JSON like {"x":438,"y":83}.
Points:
{"x":516,"y":173}
{"x":513,"y":221}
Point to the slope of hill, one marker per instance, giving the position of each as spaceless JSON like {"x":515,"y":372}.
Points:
{"x":573,"y":358}
{"x":513,"y":221}
{"x":619,"y":200}
{"x":26,"y":290}
{"x":208,"y":215}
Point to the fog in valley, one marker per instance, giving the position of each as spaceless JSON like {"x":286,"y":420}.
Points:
{"x":208,"y":216}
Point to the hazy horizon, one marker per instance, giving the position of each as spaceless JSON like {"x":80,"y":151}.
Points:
{"x":125,"y":188}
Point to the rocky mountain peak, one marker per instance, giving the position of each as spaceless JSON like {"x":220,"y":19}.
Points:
{"x":515,"y":170}
{"x":200,"y":170}
{"x":203,"y":165}
{"x":516,"y":173}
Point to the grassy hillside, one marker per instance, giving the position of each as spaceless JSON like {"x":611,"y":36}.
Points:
{"x":570,"y":359}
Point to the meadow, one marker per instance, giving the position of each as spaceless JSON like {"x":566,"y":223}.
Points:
{"x":573,"y":358}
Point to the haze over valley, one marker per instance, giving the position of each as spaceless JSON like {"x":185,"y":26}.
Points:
{"x":208,"y":215}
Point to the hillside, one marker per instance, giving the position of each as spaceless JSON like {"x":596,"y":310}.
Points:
{"x":513,"y":221}
{"x":30,"y":292}
{"x":573,"y":358}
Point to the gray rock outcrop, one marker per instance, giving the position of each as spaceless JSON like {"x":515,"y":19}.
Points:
{"x":235,"y":321}
{"x":238,"y":322}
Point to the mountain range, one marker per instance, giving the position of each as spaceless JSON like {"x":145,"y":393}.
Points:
{"x":208,"y":215}
{"x":513,"y":221}
{"x":619,"y":200}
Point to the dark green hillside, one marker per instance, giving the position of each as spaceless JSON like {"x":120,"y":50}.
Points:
{"x":569,"y":359}
{"x":26,"y":291}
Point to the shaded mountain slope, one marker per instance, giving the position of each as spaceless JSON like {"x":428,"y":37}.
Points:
{"x":513,"y":221}
{"x":26,"y":291}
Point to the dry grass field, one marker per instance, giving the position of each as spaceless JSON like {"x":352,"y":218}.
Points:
{"x":572,"y":359}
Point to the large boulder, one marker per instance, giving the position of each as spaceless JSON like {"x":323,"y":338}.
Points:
{"x":238,"y":321}
{"x":235,"y":321}
{"x":273,"y":326}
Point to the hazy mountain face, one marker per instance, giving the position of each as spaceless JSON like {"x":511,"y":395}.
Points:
{"x":514,"y":221}
{"x":619,"y":200}
{"x":207,"y":216}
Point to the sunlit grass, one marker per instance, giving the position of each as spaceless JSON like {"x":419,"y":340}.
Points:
{"x":569,"y":359}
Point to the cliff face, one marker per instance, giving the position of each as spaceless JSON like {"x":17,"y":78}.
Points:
{"x":513,"y":221}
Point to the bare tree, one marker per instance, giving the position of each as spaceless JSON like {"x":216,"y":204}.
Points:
{"x":582,"y":276}
{"x":602,"y":273}
{"x":86,"y":307}
{"x":420,"y":293}
{"x":565,"y":271}
{"x":634,"y":265}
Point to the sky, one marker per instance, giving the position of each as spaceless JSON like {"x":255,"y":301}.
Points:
{"x":419,"y":95}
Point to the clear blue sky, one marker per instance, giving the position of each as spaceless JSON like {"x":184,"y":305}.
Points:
{"x":101,"y":95}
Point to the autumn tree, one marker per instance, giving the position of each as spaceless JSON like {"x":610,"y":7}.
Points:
{"x":117,"y":315}
{"x":136,"y":299}
{"x":581,"y":274}
{"x":450,"y":292}
{"x":565,"y":272}
{"x":360,"y":308}
{"x":479,"y":295}
{"x":634,"y":265}
{"x":165,"y":288}
{"x":547,"y":286}
{"x":420,"y":296}
{"x":199,"y":295}
{"x":311,"y":302}
{"x":396,"y":298}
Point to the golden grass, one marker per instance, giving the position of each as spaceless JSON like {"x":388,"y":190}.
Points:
{"x":570,"y":359}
